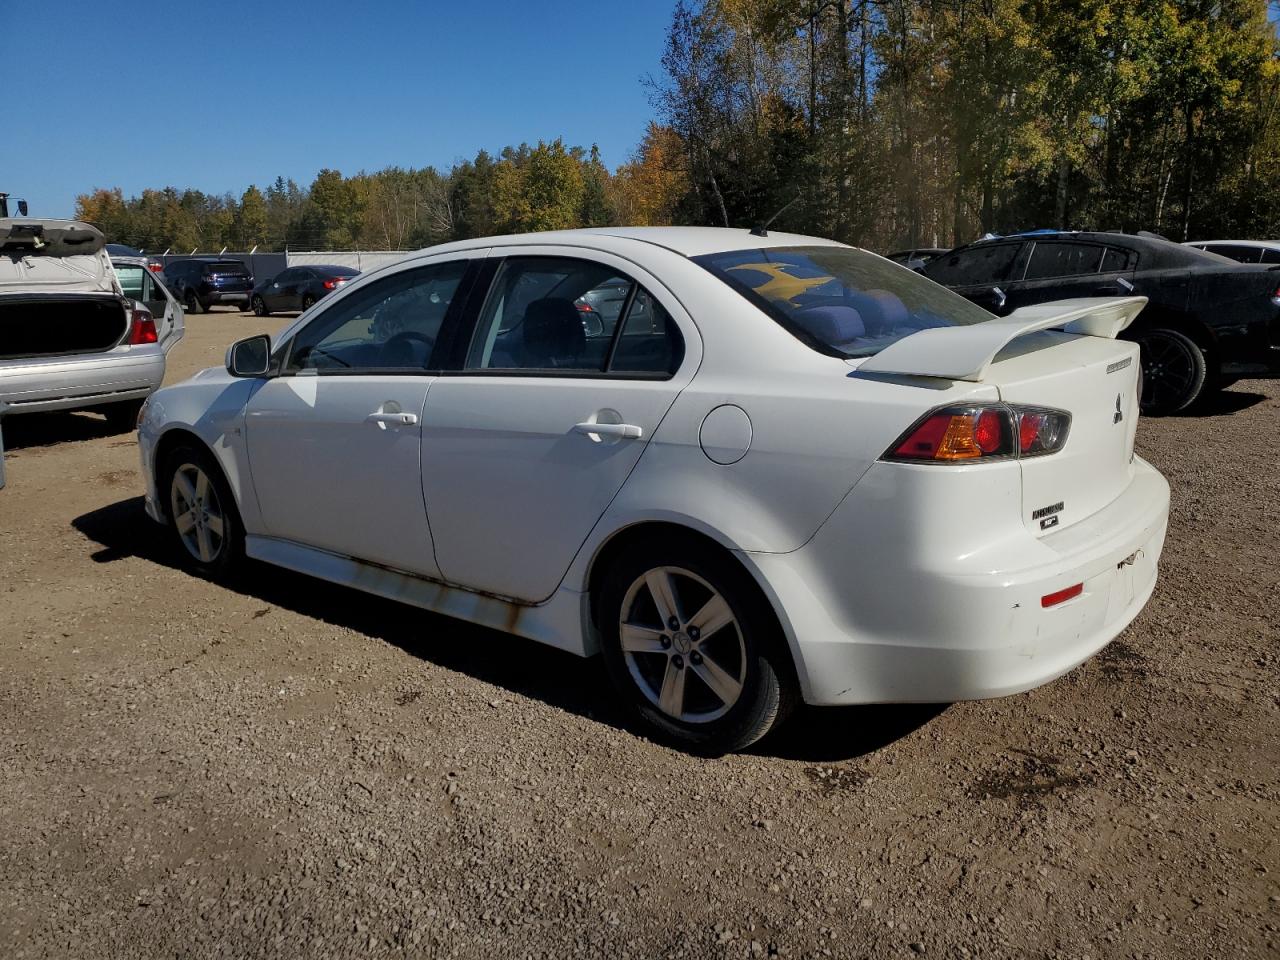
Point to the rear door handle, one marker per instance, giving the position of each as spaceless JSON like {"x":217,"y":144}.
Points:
{"x":618,"y":431}
{"x":399,"y":419}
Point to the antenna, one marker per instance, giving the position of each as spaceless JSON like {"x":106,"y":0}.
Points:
{"x":763,"y":229}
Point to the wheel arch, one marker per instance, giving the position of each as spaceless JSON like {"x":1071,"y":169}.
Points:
{"x":169,"y":441}
{"x":1200,"y":333}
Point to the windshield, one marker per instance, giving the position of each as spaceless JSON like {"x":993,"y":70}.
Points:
{"x":840,"y":301}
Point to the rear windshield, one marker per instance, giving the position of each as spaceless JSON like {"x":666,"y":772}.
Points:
{"x":840,"y":301}
{"x":237,"y":268}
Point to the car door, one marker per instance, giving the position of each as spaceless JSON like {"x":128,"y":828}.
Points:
{"x":333,"y":440}
{"x":164,"y":307}
{"x":986,"y":272}
{"x":525,"y":445}
{"x":281,"y":294}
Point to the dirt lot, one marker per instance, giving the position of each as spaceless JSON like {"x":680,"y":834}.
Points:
{"x":296,"y":770}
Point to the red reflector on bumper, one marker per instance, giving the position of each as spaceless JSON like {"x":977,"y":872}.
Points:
{"x":1061,"y":596}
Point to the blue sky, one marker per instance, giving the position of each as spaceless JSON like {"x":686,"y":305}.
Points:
{"x":218,"y":94}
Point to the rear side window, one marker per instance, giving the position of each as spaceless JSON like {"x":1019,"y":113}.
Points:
{"x":1234,"y":251}
{"x":573,"y":316}
{"x":840,"y":301}
{"x":132,"y":281}
{"x":1115,"y":260}
{"x":1049,"y":260}
{"x":981,"y":263}
{"x":1270,"y":256}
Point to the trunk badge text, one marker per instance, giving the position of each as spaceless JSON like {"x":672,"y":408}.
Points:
{"x":1048,"y":516}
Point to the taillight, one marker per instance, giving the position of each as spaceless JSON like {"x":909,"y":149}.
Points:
{"x":143,"y":327}
{"x":156,"y":267}
{"x":983,"y":431}
{"x":331,"y":284}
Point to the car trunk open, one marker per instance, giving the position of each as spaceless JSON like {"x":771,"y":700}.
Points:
{"x":58,"y":293}
{"x":42,"y":325}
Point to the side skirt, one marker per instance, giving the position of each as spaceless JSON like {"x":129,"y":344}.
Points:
{"x":559,"y":622}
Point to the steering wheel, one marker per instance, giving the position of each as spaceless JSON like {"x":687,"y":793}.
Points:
{"x":402,"y":339}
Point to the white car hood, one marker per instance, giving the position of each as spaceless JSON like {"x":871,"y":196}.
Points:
{"x":54,"y":256}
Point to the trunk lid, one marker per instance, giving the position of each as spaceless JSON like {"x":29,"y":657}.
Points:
{"x":59,"y":294}
{"x":1061,"y":355}
{"x":1096,"y":381}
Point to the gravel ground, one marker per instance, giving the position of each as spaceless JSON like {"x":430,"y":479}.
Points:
{"x":297,"y":770}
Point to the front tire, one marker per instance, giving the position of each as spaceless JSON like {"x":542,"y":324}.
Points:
{"x":260,"y":307}
{"x":308,"y":302}
{"x":693,"y":647}
{"x":203,"y":518}
{"x":1174,"y":371}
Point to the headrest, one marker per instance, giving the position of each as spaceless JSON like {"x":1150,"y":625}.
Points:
{"x":831,"y":323}
{"x":552,"y":332}
{"x":893,"y":311}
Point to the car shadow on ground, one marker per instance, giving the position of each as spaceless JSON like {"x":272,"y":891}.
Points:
{"x":1224,"y":402}
{"x":517,"y":665}
{"x":30,"y":430}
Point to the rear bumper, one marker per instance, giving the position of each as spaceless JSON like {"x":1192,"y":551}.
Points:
{"x":227,"y":296}
{"x":879,"y":621}
{"x":68,"y":383}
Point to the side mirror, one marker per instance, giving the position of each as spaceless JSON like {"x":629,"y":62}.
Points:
{"x":250,"y":357}
{"x":999,"y":297}
{"x":22,"y":208}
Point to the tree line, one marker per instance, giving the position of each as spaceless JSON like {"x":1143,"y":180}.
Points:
{"x":886,"y":123}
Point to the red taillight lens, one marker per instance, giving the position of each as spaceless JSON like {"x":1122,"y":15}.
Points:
{"x":585,"y":308}
{"x":958,"y":433}
{"x":156,"y":267}
{"x":1061,"y":596}
{"x":330,"y":284}
{"x":978,"y":431}
{"x":143,"y":327}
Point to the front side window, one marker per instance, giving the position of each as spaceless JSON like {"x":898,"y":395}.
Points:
{"x":1049,"y":260}
{"x":575,"y":316}
{"x":840,"y":301}
{"x":981,"y":263}
{"x":391,"y":324}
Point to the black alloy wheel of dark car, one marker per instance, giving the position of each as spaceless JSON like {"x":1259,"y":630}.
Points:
{"x":308,"y":302}
{"x":202,"y":513}
{"x":260,"y":307}
{"x":1174,"y":371}
{"x":192,"y":303}
{"x":691,"y":644}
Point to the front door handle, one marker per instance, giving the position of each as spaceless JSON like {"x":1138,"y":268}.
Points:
{"x":617,"y":431}
{"x":399,"y":419}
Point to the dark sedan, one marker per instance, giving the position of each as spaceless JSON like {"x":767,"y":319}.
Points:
{"x":1208,"y":320}
{"x":297,"y":288}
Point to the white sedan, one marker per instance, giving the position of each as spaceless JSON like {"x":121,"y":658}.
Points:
{"x":782,"y":469}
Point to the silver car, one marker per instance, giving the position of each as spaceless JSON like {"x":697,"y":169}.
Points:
{"x":77,"y":329}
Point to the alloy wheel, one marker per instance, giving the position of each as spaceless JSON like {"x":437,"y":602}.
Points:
{"x":691,"y":666}
{"x":1169,"y":371}
{"x":197,"y":513}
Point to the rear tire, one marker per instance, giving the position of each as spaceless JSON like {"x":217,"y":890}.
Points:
{"x":122,"y":416}
{"x":1174,"y":371}
{"x":308,"y":302}
{"x":259,"y":307}
{"x":192,"y":303}
{"x":203,"y":519}
{"x":714,"y":691}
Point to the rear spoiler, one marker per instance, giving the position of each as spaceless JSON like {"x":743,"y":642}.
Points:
{"x":964,"y":353}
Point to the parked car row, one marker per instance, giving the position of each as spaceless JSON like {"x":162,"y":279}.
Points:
{"x":298,"y":288}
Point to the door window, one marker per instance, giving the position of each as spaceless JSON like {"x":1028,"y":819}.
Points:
{"x":981,"y":263}
{"x":1049,"y":260}
{"x":1234,"y":251}
{"x":392,"y":324}
{"x":562,"y":314}
{"x":132,"y":281}
{"x":1270,"y":255}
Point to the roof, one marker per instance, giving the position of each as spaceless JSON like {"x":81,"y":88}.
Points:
{"x":687,"y":241}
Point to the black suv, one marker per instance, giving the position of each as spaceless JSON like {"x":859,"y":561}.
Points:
{"x":202,"y":282}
